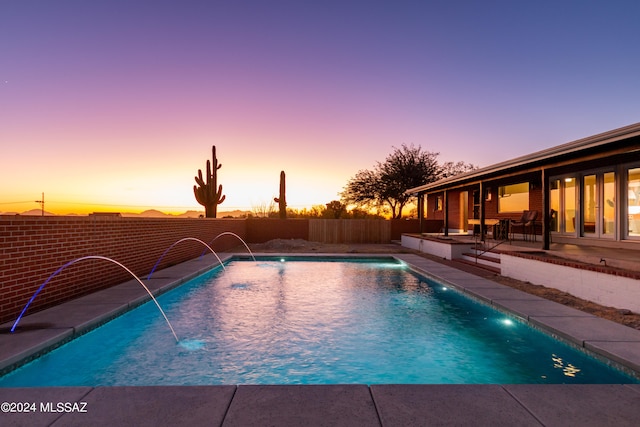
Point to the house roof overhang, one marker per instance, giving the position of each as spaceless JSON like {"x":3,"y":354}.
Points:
{"x":535,"y":161}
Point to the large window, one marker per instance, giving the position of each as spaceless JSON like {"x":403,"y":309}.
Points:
{"x":633,"y":202}
{"x":513,"y":198}
{"x":569,"y":209}
{"x":609,"y":205}
{"x":589,"y":204}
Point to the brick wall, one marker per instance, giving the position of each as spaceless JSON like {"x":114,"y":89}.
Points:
{"x":32,"y":248}
{"x":400,"y":226}
{"x":430,"y":212}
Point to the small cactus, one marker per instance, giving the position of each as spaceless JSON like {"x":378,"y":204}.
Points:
{"x":282,"y":200}
{"x":205,"y":192}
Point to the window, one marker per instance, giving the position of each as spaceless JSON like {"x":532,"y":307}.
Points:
{"x":569,"y":210}
{"x":487,"y":194}
{"x":609,"y":205}
{"x":589,"y":204}
{"x":513,"y":197}
{"x":633,"y":202}
{"x":438,"y":203}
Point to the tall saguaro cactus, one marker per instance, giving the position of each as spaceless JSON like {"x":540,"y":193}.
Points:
{"x":282,"y":200}
{"x":206,"y":193}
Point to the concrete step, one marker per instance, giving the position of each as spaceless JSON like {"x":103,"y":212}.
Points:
{"x":494,"y":269}
{"x":488,"y":255}
{"x":486,"y":258}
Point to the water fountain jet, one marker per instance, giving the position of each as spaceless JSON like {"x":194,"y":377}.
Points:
{"x":179,"y":241}
{"x":93,"y":257}
{"x":239,"y":238}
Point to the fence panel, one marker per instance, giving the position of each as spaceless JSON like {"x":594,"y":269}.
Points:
{"x":350,"y":230}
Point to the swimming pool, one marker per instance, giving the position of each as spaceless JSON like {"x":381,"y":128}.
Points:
{"x":320,"y":321}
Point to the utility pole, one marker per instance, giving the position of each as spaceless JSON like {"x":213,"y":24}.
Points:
{"x":41,"y":201}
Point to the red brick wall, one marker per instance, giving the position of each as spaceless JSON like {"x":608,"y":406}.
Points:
{"x":33,"y":248}
{"x":399,"y":226}
{"x":430,"y":212}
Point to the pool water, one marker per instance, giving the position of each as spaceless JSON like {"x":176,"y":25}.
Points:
{"x":313,"y":322}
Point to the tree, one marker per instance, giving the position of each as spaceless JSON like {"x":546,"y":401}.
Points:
{"x":387,"y":184}
{"x":405,"y":168}
{"x":263,"y":210}
{"x":336,"y":208}
{"x":450,"y":169}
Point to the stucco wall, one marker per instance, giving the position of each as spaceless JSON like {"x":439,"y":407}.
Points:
{"x":606,"y":289}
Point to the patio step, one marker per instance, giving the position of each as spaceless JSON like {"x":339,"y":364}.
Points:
{"x":487,"y":260}
{"x":486,"y":267}
{"x":488,"y":256}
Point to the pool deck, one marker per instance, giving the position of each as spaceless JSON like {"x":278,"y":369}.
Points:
{"x":334,"y":405}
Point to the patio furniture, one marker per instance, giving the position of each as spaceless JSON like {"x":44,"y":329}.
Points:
{"x":501,"y":230}
{"x":488,"y":222}
{"x":526,"y":221}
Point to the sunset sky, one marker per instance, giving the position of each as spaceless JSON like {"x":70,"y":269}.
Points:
{"x":114,"y":105}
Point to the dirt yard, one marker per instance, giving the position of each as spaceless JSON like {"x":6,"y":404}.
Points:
{"x":623,"y":317}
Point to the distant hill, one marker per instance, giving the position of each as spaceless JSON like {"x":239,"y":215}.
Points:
{"x":151,"y":213}
{"x":32,"y":212}
{"x":236,"y":214}
{"x":191,"y":214}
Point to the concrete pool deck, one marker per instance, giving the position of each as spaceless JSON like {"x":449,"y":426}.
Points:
{"x":349,"y":405}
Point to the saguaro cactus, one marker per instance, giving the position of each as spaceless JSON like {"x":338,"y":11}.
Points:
{"x":205,"y":192}
{"x":282,"y":200}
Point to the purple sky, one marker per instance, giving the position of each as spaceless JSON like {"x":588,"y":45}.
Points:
{"x":114,"y":105}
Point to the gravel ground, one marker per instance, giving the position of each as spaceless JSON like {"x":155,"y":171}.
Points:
{"x":624,"y":317}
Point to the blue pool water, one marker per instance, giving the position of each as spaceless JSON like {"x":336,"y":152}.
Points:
{"x":313,"y":322}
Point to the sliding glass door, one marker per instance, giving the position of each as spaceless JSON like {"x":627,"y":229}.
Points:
{"x":562,"y":198}
{"x":633,"y":203}
{"x":598,"y":205}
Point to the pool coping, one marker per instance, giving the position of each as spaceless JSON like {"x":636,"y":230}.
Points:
{"x":50,"y":328}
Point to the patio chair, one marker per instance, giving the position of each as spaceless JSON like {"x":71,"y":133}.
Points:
{"x":518,"y":223}
{"x":527,"y":220}
{"x":531,"y":223}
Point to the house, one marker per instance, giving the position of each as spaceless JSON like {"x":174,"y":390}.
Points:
{"x":585,"y":192}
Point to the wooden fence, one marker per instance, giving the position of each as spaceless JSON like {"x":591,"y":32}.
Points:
{"x":350,"y":230}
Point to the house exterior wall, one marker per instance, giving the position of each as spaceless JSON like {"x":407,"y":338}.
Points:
{"x":604,"y":210}
{"x":491,"y":205}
